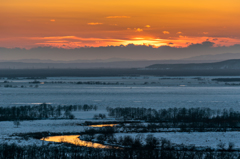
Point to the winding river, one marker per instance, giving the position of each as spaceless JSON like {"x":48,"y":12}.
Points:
{"x":75,"y":139}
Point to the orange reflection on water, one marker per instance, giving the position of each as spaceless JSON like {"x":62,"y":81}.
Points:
{"x":74,"y":139}
{"x":103,"y":125}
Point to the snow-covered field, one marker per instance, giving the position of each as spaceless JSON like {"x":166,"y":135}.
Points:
{"x":199,"y":139}
{"x":7,"y":128}
{"x":204,"y":139}
{"x":158,"y":93}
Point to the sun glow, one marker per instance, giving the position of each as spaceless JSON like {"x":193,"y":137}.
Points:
{"x":70,"y":42}
{"x":109,"y":20}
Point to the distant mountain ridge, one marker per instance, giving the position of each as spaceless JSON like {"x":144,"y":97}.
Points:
{"x":144,"y":64}
{"x":233,"y":64}
{"x":217,"y":57}
{"x":44,"y":64}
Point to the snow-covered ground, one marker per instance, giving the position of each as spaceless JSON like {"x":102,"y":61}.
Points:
{"x":7,"y":128}
{"x":158,"y":93}
{"x":199,"y":139}
{"x":205,"y":139}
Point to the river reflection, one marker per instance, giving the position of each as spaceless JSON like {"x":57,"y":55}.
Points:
{"x":74,"y":139}
{"x":103,"y":125}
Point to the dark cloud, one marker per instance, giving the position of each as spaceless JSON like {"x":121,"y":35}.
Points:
{"x":203,"y":45}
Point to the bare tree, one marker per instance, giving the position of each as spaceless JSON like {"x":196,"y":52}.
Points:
{"x":16,"y":122}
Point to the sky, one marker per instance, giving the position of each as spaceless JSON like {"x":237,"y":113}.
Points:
{"x":93,"y":23}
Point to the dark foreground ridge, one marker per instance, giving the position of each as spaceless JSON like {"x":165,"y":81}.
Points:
{"x":113,"y":72}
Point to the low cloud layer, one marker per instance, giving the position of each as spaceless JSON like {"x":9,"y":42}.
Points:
{"x":129,"y":52}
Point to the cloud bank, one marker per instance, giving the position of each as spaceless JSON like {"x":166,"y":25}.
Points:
{"x":130,"y":52}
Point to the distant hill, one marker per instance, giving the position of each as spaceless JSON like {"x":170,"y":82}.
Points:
{"x":224,"y":65}
{"x":217,"y":57}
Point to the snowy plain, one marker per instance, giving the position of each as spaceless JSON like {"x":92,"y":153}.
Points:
{"x":159,"y":92}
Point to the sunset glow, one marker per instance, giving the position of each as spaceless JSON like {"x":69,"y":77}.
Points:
{"x":28,"y":24}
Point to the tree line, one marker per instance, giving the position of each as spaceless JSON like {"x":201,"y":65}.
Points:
{"x":42,"y":111}
{"x":180,"y":117}
{"x":13,"y":151}
{"x":83,"y":82}
{"x":99,"y":83}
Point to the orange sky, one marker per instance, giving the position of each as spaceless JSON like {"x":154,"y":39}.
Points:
{"x":78,"y":23}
